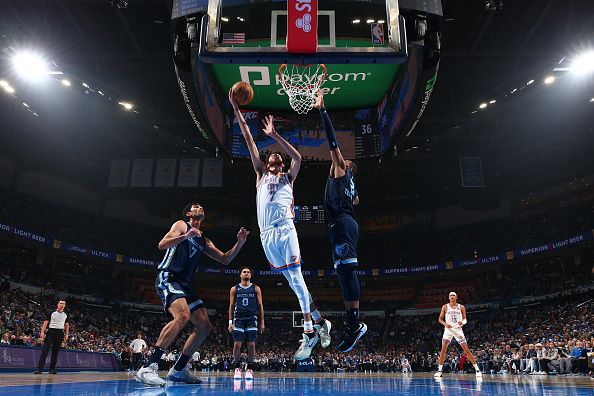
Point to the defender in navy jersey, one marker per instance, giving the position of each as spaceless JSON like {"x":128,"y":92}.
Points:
{"x":185,"y":245}
{"x":246,"y":319}
{"x":343,"y":230}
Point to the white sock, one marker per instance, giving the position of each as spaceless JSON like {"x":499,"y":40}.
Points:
{"x":476,"y":367}
{"x":440,"y":367}
{"x":308,"y":326}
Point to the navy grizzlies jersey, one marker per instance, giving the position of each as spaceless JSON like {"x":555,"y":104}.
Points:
{"x":182,"y":259}
{"x":246,"y":305}
{"x":338,"y":199}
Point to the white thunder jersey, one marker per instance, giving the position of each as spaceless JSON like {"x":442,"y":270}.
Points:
{"x":453,"y":315}
{"x":274,"y":200}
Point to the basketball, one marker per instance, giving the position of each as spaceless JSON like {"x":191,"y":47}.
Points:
{"x":243,"y":93}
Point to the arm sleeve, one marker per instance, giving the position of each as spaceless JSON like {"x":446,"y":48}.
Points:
{"x":329,"y":128}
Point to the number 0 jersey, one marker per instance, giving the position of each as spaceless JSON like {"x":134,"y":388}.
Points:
{"x":246,"y":304}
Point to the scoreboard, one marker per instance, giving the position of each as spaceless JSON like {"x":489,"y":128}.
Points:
{"x":309,"y":214}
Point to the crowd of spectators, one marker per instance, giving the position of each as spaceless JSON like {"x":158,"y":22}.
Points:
{"x":551,"y":337}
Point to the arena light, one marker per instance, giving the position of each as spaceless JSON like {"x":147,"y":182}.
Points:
{"x":66,"y":83}
{"x":26,"y":105}
{"x":356,"y":21}
{"x":529,"y":82}
{"x":583,"y":64}
{"x":126,"y":105}
{"x":224,"y":19}
{"x":549,"y":80}
{"x":30,"y":65}
{"x":492,"y":101}
{"x":7,"y":87}
{"x":483,"y":105}
{"x":370,"y":20}
{"x":381,"y":21}
{"x":514,"y":90}
{"x":592,"y":100}
{"x":4,"y":83}
{"x":100,"y":93}
{"x":85,"y":85}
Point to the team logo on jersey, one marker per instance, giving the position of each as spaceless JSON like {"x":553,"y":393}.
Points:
{"x":341,"y":249}
{"x":293,"y":259}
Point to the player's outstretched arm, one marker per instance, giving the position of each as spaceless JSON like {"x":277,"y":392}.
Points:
{"x":231,"y":304}
{"x":225,"y":258}
{"x":259,"y":167}
{"x":338,"y":168}
{"x":177,"y":234}
{"x":269,"y":130}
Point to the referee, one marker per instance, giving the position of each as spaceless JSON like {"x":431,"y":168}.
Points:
{"x":53,"y":338}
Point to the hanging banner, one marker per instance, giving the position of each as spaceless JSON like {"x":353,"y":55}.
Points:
{"x":188,"y":172}
{"x":471,"y":171}
{"x":212,"y":175}
{"x":165,"y":172}
{"x":118,"y":173}
{"x":142,"y":172}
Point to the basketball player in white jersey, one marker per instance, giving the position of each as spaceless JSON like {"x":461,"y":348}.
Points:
{"x":274,"y":201}
{"x":453,"y":317}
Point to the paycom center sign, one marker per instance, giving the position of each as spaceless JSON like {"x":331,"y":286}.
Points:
{"x":346,"y":86}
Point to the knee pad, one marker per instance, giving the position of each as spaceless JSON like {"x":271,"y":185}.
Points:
{"x":297,"y":283}
{"x":349,"y":283}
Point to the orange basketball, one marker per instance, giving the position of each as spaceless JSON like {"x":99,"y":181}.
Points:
{"x":243,"y":93}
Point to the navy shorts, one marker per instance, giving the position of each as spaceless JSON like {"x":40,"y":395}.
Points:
{"x":169,"y":289}
{"x":344,"y":234}
{"x":245,"y":328}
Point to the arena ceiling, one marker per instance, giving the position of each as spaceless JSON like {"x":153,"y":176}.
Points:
{"x":525,"y":141}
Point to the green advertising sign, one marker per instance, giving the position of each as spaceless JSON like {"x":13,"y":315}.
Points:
{"x":346,"y":86}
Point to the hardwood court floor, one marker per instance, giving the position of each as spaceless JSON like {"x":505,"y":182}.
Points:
{"x":299,"y":384}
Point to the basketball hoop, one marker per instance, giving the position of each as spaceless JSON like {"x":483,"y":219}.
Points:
{"x":301,"y":82}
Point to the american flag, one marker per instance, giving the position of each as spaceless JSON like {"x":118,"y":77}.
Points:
{"x":233,"y":38}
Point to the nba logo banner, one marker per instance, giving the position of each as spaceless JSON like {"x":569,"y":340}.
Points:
{"x":377,"y":33}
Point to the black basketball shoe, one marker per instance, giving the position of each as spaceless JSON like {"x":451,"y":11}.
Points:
{"x":351,"y":337}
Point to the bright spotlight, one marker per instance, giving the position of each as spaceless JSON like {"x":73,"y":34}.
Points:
{"x":592,"y":100}
{"x":30,"y":65}
{"x":3,"y":83}
{"x":529,"y":82}
{"x":549,"y":80}
{"x":583,"y":64}
{"x":370,"y":21}
{"x":356,"y":20}
{"x":492,"y":101}
{"x":127,"y":106}
{"x":482,"y":105}
{"x":66,"y":83}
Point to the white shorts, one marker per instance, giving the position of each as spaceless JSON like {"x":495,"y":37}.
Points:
{"x":456,"y":333}
{"x":281,"y":246}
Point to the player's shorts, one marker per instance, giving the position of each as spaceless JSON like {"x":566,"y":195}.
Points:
{"x":344,"y":235}
{"x":169,"y":289}
{"x":456,"y":333}
{"x":245,"y":328}
{"x":281,"y":246}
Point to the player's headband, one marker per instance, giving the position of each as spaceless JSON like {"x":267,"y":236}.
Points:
{"x":453,"y":294}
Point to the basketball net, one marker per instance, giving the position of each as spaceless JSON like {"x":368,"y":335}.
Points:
{"x":301,"y":82}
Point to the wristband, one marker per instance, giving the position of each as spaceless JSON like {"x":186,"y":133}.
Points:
{"x":230,"y":322}
{"x":464,"y":321}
